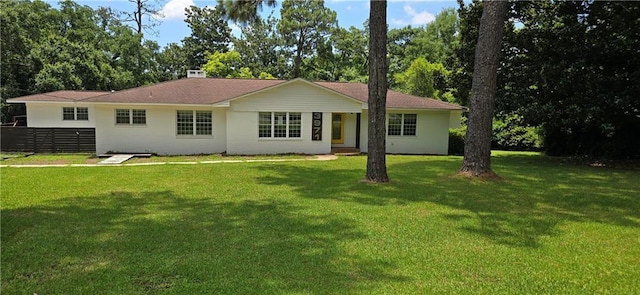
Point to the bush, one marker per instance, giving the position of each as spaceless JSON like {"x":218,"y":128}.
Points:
{"x":456,"y":140}
{"x":509,"y":133}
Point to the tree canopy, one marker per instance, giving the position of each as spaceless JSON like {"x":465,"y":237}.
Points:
{"x":570,"y":68}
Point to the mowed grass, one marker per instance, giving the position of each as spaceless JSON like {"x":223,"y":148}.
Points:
{"x":313,"y":228}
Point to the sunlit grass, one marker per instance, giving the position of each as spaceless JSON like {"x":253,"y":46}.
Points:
{"x":313,"y":227}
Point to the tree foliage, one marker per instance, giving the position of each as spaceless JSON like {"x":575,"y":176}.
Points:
{"x":260,"y":48}
{"x":425,"y":79}
{"x":73,"y":47}
{"x":351,"y":49}
{"x":435,"y":43}
{"x":245,"y":12}
{"x":582,"y":68}
{"x":305,"y":27}
{"x":226,"y":65}
{"x":570,"y":68}
{"x":210,"y":32}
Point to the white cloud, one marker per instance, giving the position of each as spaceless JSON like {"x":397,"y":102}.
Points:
{"x":419,"y":18}
{"x":174,"y":9}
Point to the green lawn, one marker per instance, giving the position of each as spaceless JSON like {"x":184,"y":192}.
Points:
{"x":313,"y":228}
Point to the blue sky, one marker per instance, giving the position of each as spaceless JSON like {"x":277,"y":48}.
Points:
{"x":350,"y":13}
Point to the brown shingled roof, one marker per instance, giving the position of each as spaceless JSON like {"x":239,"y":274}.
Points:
{"x":60,"y":96}
{"x":188,"y":91}
{"x":395,"y":100}
{"x":204,"y":91}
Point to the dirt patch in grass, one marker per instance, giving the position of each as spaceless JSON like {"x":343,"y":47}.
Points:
{"x":487,"y":176}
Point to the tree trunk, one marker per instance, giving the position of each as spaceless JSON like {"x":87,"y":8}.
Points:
{"x":297,"y":60}
{"x":138,"y":16}
{"x":477,"y":149}
{"x":376,"y":162}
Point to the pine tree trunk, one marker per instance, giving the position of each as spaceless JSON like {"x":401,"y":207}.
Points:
{"x":477,"y":149}
{"x":376,"y":162}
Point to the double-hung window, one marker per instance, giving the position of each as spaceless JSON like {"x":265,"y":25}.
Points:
{"x":402,"y":124}
{"x":279,"y":125}
{"x":131,"y":116}
{"x":75,"y":114}
{"x":194,"y":122}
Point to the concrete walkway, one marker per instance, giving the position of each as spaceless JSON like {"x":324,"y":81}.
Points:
{"x":316,"y":158}
{"x":116,"y":159}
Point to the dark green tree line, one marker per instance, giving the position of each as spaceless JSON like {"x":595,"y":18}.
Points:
{"x":570,"y":68}
{"x":73,"y":47}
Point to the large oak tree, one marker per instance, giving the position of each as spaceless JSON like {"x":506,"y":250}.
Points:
{"x":477,"y":150}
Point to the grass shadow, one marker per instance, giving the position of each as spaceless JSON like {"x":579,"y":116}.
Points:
{"x":532,"y":202}
{"x":158,"y":241}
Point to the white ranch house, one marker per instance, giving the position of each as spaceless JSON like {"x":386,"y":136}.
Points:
{"x":243,"y":116}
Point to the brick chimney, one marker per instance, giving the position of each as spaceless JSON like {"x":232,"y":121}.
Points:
{"x":196,"y":74}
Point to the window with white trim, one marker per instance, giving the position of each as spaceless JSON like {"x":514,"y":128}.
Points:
{"x":138,"y":116}
{"x":82,"y":114}
{"x":194,"y":122}
{"x":279,"y":125}
{"x":131,"y":117}
{"x":75,"y":114}
{"x":402,"y":124}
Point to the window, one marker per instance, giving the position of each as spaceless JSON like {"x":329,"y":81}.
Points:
{"x":295,"y":125}
{"x":185,"y":123}
{"x":71,"y":114}
{"x":135,"y":116}
{"x":279,"y":125}
{"x":395,"y":124}
{"x":204,"y":124}
{"x":264,"y":125}
{"x":122,"y":116}
{"x":82,"y":114}
{"x":194,"y":123}
{"x":402,"y":124}
{"x":139,"y":116}
{"x":68,"y":114}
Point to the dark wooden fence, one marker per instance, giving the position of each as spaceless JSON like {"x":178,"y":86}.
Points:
{"x":47,"y":140}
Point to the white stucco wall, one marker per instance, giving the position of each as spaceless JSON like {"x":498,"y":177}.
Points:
{"x":298,"y":96}
{"x":432,"y":134}
{"x":159,"y":134}
{"x":242,"y":136}
{"x":47,"y":114}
